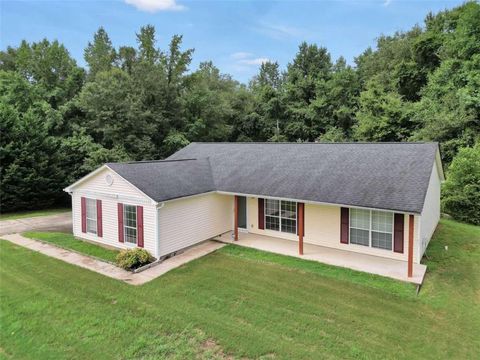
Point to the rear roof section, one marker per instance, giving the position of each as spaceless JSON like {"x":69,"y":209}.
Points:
{"x":393,"y":176}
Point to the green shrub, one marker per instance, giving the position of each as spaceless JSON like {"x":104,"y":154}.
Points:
{"x":461,"y":190}
{"x":133,"y":258}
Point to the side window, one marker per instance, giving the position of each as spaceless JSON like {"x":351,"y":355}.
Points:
{"x":130,"y":223}
{"x":91,"y":215}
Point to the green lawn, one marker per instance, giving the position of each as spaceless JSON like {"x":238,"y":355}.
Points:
{"x":32,"y":213}
{"x":243,"y":303}
{"x":68,"y":241}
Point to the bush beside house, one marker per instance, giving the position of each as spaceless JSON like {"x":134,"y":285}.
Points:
{"x":131,"y":259}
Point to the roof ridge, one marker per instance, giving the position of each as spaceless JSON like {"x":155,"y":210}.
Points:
{"x":318,"y":142}
{"x":153,"y":161}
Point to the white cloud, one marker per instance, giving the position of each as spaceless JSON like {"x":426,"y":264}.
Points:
{"x":156,"y":5}
{"x":241,"y":55}
{"x":245,"y":62}
{"x":387,"y":2}
{"x":279,"y":32}
{"x":255,"y":61}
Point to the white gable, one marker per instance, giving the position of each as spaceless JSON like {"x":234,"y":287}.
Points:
{"x":105,"y":181}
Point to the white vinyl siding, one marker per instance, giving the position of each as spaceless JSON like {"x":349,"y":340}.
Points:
{"x":91,"y":215}
{"x":186,"y":222}
{"x":431,"y":211}
{"x":119,"y":192}
{"x":371,"y":228}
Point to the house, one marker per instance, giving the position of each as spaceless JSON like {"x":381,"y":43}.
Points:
{"x":380,"y":199}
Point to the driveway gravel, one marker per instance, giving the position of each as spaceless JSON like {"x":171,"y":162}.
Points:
{"x":58,"y":222}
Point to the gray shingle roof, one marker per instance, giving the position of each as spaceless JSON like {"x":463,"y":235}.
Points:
{"x":392,"y":176}
{"x":168,"y":179}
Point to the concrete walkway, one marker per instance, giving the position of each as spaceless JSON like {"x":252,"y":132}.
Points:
{"x":58,"y":222}
{"x":113,"y":271}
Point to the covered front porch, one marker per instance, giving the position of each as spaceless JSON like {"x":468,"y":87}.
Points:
{"x":391,"y":268}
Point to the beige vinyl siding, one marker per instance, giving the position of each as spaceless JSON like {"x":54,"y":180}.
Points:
{"x":322,"y":227}
{"x":431,"y":210}
{"x":120,"y":191}
{"x":188,"y":221}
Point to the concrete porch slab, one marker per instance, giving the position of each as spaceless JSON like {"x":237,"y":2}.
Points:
{"x":394,"y":269}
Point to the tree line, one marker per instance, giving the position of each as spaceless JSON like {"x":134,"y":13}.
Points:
{"x":59,"y":121}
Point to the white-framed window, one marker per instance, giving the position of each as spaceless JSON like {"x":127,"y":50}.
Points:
{"x":281,"y":216}
{"x":130,"y":224}
{"x":371,"y":228}
{"x":91,"y":215}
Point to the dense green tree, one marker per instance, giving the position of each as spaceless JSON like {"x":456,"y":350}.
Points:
{"x":461,"y":190}
{"x":31,"y":172}
{"x":49,"y":66}
{"x":449,"y":110}
{"x":382,"y":116}
{"x":142,"y":102}
{"x":100,"y":54}
{"x":337,"y":99}
{"x":79,"y":155}
{"x":267,"y":110}
{"x":147,"y":45}
{"x":310,"y":69}
{"x":207,"y":109}
{"x":114,"y":115}
{"x":126,"y":58}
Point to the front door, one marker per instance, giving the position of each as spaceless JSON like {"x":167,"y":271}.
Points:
{"x":242,"y":212}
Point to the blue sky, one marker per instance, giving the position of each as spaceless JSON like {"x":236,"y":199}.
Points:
{"x":236,"y":35}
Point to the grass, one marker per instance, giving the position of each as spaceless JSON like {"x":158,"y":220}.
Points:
{"x":68,"y":241}
{"x":32,"y":213}
{"x":243,"y":303}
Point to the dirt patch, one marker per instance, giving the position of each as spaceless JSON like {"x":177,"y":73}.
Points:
{"x":211,"y":349}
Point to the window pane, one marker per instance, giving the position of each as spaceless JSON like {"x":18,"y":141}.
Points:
{"x":289,"y":226}
{"x":359,"y":237}
{"x":382,"y":221}
{"x":289,"y":210}
{"x":130,"y":223}
{"x":130,"y":235}
{"x":131,"y":216}
{"x":381,"y":240}
{"x":91,"y":215}
{"x":272,"y":207}
{"x":91,"y":226}
{"x":91,"y":208}
{"x":360,"y":219}
{"x":272,"y":223}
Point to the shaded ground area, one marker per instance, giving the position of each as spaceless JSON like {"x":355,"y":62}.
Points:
{"x":236,"y":303}
{"x":58,"y":222}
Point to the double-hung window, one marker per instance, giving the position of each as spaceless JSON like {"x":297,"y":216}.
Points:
{"x":281,"y":216}
{"x":130,"y":224}
{"x":371,"y":228}
{"x":91,"y":215}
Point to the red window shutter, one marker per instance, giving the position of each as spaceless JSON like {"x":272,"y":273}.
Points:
{"x":83,"y":202}
{"x":99,"y":219}
{"x":120,"y":222}
{"x":140,"y":226}
{"x":303,"y":222}
{"x":261,"y":213}
{"x":398,"y":223}
{"x":344,"y":225}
